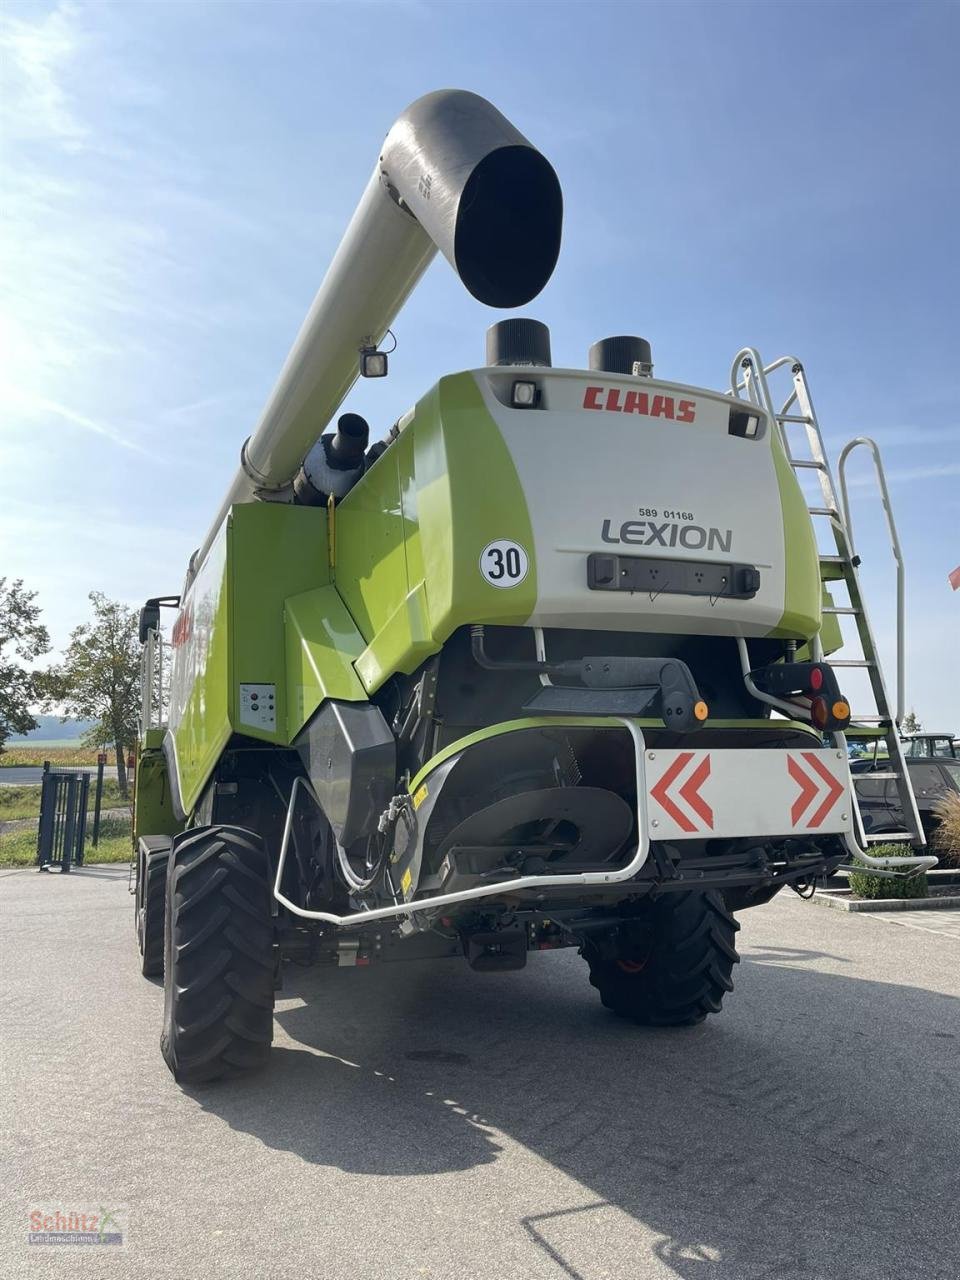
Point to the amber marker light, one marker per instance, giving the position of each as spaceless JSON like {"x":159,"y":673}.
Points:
{"x":700,"y":710}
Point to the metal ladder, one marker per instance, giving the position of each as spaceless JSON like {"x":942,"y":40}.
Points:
{"x":750,"y":376}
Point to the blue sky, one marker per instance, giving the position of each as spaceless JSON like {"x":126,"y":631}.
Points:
{"x":177,"y":176}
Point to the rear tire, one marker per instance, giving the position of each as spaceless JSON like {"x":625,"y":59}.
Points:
{"x":218,"y":976}
{"x":151,"y":905}
{"x":671,"y":966}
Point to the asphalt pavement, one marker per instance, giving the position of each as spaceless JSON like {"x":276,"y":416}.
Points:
{"x":421,"y":1120}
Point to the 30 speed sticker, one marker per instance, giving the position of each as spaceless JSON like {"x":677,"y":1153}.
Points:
{"x":503,"y":563}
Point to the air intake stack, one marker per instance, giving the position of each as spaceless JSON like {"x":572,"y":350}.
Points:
{"x":517,"y":341}
{"x":624,"y":354}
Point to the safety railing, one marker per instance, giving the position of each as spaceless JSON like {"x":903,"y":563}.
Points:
{"x":845,"y":453}
{"x":152,"y":659}
{"x":63,"y":818}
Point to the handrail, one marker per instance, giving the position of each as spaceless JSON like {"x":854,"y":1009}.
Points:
{"x":151,"y":681}
{"x":357,"y":918}
{"x":754,"y":382}
{"x":894,"y":540}
{"x":791,"y":709}
{"x":857,"y":847}
{"x":750,"y":353}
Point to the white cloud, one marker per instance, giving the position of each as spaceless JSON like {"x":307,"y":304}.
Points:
{"x":36,"y":408}
{"x":195,"y":412}
{"x":38,"y":54}
{"x":85,"y":312}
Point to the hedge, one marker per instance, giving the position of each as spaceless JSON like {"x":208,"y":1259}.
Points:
{"x":865,"y":885}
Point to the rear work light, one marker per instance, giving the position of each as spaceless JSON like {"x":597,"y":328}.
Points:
{"x":373,"y":363}
{"x":743,"y":423}
{"x":524,"y":395}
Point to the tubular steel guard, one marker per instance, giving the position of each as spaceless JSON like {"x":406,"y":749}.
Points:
{"x":481,"y":891}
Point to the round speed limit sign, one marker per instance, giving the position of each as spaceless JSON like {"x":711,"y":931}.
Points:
{"x":503,"y":563}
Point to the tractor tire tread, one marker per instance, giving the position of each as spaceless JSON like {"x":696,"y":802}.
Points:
{"x":219,"y":991}
{"x":151,"y":922}
{"x":688,"y":968}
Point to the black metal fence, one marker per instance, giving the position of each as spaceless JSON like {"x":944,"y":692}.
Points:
{"x":63,"y":818}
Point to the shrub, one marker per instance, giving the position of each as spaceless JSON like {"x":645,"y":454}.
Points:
{"x":865,"y":885}
{"x":946,"y":838}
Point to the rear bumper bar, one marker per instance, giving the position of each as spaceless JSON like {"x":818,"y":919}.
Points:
{"x":439,"y":901}
{"x":695,"y":794}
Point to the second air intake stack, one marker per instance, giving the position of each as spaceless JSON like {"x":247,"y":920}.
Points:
{"x":622,"y":354}
{"x":518,"y":341}
{"x":453,"y":174}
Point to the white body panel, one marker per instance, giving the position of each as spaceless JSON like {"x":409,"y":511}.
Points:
{"x":193,"y":630}
{"x":592,"y":476}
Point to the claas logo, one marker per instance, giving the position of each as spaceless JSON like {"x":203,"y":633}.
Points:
{"x":616,"y":400}
{"x":182,"y":628}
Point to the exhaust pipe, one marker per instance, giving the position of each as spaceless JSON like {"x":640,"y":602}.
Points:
{"x":453,"y":174}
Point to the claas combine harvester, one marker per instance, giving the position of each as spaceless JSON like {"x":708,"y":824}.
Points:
{"x":544,"y":667}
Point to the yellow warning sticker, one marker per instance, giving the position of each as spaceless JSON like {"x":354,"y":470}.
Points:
{"x":419,"y":796}
{"x":406,"y":880}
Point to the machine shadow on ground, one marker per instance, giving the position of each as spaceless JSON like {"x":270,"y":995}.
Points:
{"x":741,"y":1147}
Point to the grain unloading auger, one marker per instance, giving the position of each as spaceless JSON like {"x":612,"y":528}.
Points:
{"x":542,"y":668}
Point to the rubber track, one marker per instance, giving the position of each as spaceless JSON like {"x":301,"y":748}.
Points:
{"x":218,"y":992}
{"x":686,"y":946}
{"x":154,"y":909}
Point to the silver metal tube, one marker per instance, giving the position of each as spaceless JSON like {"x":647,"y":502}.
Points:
{"x":453,"y":174}
{"x":921,"y":862}
{"x":147,"y":671}
{"x":754,"y":383}
{"x":736,"y":382}
{"x":881,"y":875}
{"x":381,"y":257}
{"x":160,"y":691}
{"x":867,"y":443}
{"x":856,"y":847}
{"x":780,"y":704}
{"x":357,"y":918}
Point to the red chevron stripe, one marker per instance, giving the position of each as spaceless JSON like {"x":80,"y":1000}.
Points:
{"x":659,"y":792}
{"x":836,"y":789}
{"x":690,"y":791}
{"x":808,"y":789}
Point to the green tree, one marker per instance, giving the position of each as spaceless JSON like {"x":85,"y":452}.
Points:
{"x":99,"y":678}
{"x":910,"y":723}
{"x":22,"y":638}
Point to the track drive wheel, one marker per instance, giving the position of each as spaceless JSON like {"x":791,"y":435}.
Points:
{"x":218,"y":975}
{"x":672,"y":965}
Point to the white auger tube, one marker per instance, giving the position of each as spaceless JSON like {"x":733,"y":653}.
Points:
{"x":453,"y":174}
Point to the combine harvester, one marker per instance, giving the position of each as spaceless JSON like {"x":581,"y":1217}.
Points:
{"x":543,"y":668}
